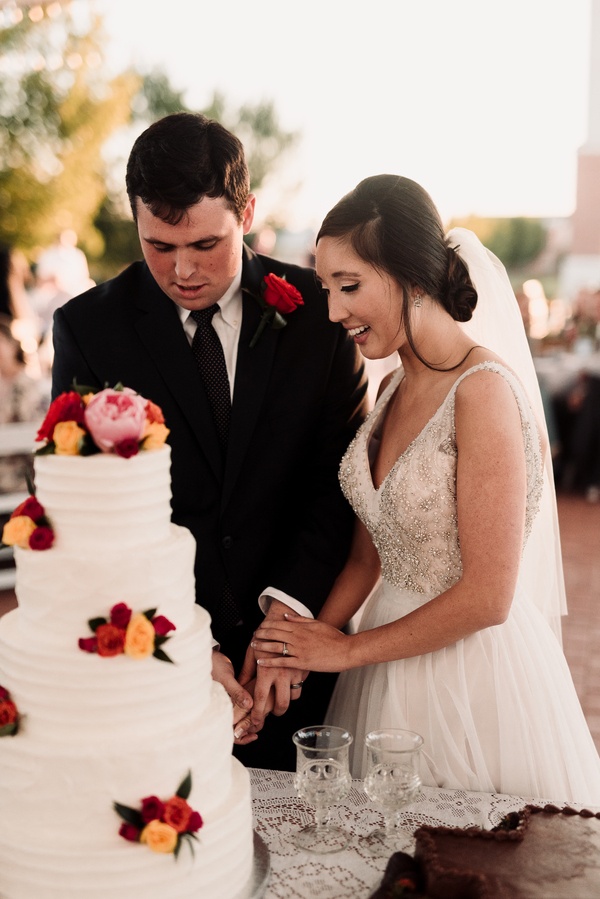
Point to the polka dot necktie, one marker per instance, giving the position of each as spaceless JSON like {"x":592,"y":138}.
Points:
{"x":208,"y":351}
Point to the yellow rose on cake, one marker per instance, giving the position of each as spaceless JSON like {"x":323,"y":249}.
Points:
{"x":18,"y":530}
{"x":159,"y":837}
{"x":139,"y":638}
{"x":67,"y":438}
{"x":154,"y":435}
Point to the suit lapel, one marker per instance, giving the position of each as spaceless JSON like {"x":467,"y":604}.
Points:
{"x":160,"y":330}
{"x":253,"y":370}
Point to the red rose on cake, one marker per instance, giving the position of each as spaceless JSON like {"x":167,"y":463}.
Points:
{"x":30,"y":508}
{"x":66,"y":407}
{"x":9,"y":715}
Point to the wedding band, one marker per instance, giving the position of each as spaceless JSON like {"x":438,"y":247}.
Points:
{"x":284,"y":651}
{"x":297,"y":686}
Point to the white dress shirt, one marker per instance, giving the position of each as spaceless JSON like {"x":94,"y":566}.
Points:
{"x":227,"y":322}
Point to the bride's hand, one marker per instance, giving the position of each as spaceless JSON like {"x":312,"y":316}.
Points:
{"x":309,"y":644}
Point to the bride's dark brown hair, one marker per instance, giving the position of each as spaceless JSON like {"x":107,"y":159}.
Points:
{"x":392,"y":223}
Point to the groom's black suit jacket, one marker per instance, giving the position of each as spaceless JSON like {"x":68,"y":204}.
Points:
{"x":273,"y":513}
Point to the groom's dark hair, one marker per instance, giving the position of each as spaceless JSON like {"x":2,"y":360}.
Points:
{"x":182,"y":158}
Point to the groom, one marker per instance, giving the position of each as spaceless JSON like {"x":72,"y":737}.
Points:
{"x":261,"y":401}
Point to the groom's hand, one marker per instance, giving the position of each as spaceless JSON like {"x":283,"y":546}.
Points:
{"x":272,"y":691}
{"x":223,"y":672}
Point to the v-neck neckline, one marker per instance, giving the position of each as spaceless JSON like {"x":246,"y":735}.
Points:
{"x":377,"y":416}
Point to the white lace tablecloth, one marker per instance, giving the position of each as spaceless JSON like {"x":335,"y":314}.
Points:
{"x":353,"y":873}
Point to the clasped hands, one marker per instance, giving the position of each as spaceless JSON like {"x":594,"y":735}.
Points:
{"x":258,"y":690}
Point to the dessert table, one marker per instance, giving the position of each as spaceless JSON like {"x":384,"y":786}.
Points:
{"x":353,"y":873}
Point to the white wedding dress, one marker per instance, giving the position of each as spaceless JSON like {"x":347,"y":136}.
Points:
{"x":498,"y":711}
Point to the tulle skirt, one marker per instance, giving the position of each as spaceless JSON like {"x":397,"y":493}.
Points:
{"x":498,"y":710}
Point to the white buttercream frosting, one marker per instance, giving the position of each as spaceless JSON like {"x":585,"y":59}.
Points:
{"x":97,"y":730}
{"x":103,"y":501}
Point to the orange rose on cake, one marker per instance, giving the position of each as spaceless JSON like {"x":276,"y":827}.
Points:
{"x":180,"y":815}
{"x":110,"y":640}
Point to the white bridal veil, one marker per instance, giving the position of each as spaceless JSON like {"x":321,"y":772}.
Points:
{"x":498,"y":325}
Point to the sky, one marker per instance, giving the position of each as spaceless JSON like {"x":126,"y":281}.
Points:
{"x":482,"y":102}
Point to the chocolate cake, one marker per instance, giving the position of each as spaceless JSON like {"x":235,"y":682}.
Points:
{"x":537,"y":853}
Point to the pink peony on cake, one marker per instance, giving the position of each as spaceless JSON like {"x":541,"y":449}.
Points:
{"x":116,"y":773}
{"x":537,"y":853}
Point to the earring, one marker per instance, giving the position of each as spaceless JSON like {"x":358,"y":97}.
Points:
{"x":417,"y":301}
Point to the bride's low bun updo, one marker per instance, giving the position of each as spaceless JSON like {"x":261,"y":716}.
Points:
{"x":460,"y":296}
{"x":392,"y":223}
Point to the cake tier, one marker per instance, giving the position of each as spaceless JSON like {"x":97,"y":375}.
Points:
{"x":55,"y":865}
{"x":554,"y":854}
{"x":59,"y":590}
{"x":73,"y":697}
{"x":68,"y":788}
{"x":104,"y":500}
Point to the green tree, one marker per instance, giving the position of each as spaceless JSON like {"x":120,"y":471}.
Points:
{"x":259,"y":130}
{"x":515,"y":241}
{"x":57,"y":109}
{"x":66,"y":127}
{"x":518,"y":241}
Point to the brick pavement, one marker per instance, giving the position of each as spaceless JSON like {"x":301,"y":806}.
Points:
{"x":580,"y":535}
{"x":580,"y":538}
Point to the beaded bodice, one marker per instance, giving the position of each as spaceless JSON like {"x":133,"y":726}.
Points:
{"x":412,"y":516}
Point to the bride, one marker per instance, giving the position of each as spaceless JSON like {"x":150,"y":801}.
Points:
{"x":456,"y":541}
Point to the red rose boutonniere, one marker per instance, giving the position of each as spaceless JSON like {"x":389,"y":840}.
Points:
{"x":162,"y":826}
{"x":277,"y":298}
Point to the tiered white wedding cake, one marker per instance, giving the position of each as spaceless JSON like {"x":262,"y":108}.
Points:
{"x":116,"y":773}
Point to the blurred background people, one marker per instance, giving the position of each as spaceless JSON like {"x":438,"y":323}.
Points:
{"x":22,"y":399}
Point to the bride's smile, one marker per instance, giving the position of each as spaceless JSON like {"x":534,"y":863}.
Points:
{"x":365,"y":300}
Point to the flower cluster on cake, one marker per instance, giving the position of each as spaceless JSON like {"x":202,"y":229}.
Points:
{"x":162,"y":826}
{"x":116,"y":420}
{"x":136,"y":635}
{"x":28,"y":527}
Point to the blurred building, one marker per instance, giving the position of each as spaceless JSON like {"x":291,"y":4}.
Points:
{"x":581,"y":267}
